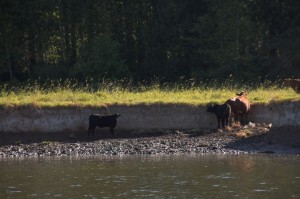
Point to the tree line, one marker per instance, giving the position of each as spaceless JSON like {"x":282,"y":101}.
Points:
{"x":144,"y":39}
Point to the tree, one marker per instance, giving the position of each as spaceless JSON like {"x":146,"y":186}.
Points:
{"x":100,"y":59}
{"x":167,"y":39}
{"x":277,"y":42}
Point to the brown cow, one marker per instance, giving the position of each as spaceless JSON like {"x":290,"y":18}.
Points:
{"x":240,"y":107}
{"x":293,"y":83}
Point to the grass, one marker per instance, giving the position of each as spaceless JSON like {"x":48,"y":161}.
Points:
{"x":68,"y":94}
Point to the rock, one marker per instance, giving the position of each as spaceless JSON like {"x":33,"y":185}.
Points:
{"x":238,"y":140}
{"x":252,"y":125}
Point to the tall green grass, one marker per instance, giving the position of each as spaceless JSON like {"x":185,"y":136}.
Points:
{"x":70,"y":93}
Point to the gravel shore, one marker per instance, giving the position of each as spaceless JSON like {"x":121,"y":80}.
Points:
{"x":248,"y":139}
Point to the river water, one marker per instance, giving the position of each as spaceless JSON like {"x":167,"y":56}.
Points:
{"x":169,"y":176}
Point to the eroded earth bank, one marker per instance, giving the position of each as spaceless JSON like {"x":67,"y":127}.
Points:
{"x":152,"y":129}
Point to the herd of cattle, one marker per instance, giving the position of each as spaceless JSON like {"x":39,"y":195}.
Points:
{"x":238,"y":107}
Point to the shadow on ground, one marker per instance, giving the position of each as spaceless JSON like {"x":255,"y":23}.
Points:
{"x":12,"y":138}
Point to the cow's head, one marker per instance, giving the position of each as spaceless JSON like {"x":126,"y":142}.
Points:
{"x":242,"y":93}
{"x":117,"y":115}
{"x":211,"y":108}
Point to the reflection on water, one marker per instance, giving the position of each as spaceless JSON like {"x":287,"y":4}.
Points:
{"x":184,"y":176}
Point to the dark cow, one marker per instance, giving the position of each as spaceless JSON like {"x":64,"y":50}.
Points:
{"x":102,"y":121}
{"x":240,"y":107}
{"x":222,"y":112}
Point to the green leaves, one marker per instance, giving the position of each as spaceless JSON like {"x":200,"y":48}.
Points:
{"x":101,"y":59}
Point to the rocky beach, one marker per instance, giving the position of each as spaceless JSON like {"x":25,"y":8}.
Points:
{"x":248,"y":139}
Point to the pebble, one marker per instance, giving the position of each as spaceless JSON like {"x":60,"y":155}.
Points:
{"x":217,"y":141}
{"x":169,"y":144}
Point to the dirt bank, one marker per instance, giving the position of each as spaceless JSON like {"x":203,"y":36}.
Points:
{"x":32,"y":124}
{"x":135,"y":117}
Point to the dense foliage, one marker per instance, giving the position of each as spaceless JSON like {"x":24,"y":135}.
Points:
{"x":145,"y":39}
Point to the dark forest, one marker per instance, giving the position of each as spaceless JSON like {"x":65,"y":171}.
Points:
{"x":247,"y":40}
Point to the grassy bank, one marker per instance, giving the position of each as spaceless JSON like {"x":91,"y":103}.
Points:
{"x":67,"y":94}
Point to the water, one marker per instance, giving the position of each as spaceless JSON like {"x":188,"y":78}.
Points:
{"x":178,"y":176}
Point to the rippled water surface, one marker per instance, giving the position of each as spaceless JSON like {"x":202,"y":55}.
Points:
{"x":184,"y":176}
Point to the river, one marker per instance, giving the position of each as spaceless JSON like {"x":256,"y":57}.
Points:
{"x":146,"y":176}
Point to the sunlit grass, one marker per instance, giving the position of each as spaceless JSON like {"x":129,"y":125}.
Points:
{"x":69,"y":94}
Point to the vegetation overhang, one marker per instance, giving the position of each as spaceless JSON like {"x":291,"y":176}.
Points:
{"x":189,"y":96}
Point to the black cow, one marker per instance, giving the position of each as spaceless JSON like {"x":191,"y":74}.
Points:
{"x":102,"y":121}
{"x":222,"y":112}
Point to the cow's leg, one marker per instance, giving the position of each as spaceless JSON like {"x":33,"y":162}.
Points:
{"x":219,"y":123}
{"x":246,"y":117}
{"x":235,"y":117}
{"x":230,"y":118}
{"x":111,"y":131}
{"x":239,"y":118}
{"x":242,"y":119}
{"x":223,"y":122}
{"x":93,"y":131}
{"x":226,"y":121}
{"x":90,"y":130}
